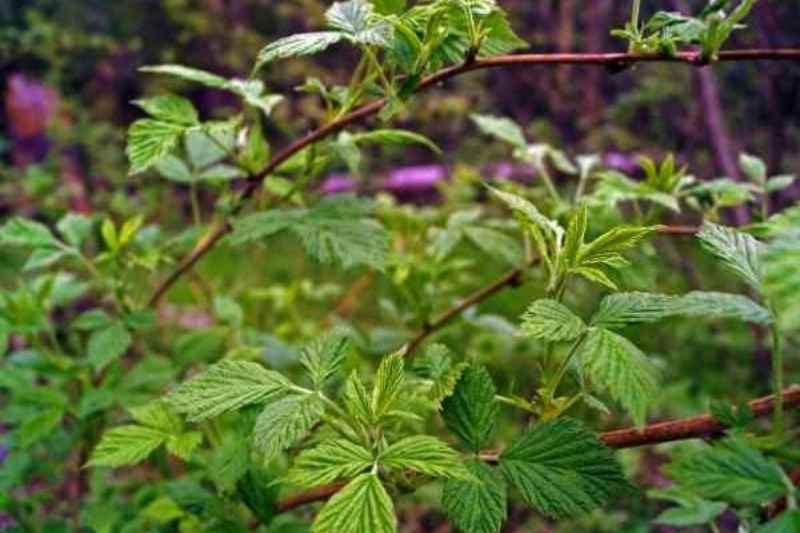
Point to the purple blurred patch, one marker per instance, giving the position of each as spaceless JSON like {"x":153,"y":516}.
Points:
{"x":3,"y":454}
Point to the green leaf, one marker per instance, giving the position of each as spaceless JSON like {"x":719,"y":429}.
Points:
{"x":183,"y":445}
{"x":126,"y":445}
{"x":357,"y":399}
{"x":227,"y":386}
{"x":731,"y":471}
{"x":754,"y":168}
{"x":499,"y":36}
{"x":426,"y":455}
{"x":188,"y":73}
{"x":20,"y":231}
{"x":156,"y":415}
{"x":282,"y":424}
{"x":108,"y":344}
{"x":562,"y":469}
{"x":389,"y":382}
{"x":323,"y":358}
{"x":302,"y":44}
{"x":786,"y":522}
{"x":502,"y":128}
{"x":596,"y":275}
{"x":615,"y":364}
{"x":75,"y":228}
{"x":738,"y":251}
{"x":471,"y":411}
{"x":528,"y":212}
{"x":477,"y":505}
{"x":37,"y":427}
{"x":719,"y":305}
{"x":44,"y":257}
{"x":362,"y":506}
{"x":170,"y":108}
{"x":778,"y":183}
{"x":355,"y":19}
{"x":495,"y":244}
{"x":329,"y":461}
{"x":690,"y":511}
{"x":622,"y":309}
{"x":436,"y":366}
{"x":552,"y":321}
{"x":150,"y":141}
{"x":613,"y":242}
{"x":389,"y":136}
{"x":336,"y":230}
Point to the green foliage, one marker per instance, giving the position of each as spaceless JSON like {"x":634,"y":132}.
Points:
{"x":284,"y":423}
{"x":329,"y":461}
{"x":562,"y":469}
{"x":476,"y":505}
{"x":552,"y":321}
{"x":738,"y":251}
{"x":471,"y":411}
{"x":338,"y":229}
{"x":363,"y":506}
{"x":426,"y":455}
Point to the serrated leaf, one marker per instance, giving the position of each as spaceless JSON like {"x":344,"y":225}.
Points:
{"x":778,"y":183}
{"x":622,"y":309}
{"x":170,"y":108}
{"x":107,"y":344}
{"x":731,"y":471}
{"x":615,"y":364}
{"x":426,"y":455}
{"x":614,"y":241}
{"x":495,"y":244}
{"x":502,"y":128}
{"x":302,"y":44}
{"x":562,"y":469}
{"x":355,"y":19}
{"x":362,"y":506}
{"x":436,"y":366}
{"x":184,"y":444}
{"x":552,"y":321}
{"x":389,"y":381}
{"x":596,"y":275}
{"x":283,"y":423}
{"x":150,"y":141}
{"x":156,"y":415}
{"x":529,"y":213}
{"x":754,"y":168}
{"x":478,"y":505}
{"x":719,"y":305}
{"x":227,"y":386}
{"x":471,"y":411}
{"x":738,"y":251}
{"x":323,"y":358}
{"x":126,"y":445}
{"x":327,"y":462}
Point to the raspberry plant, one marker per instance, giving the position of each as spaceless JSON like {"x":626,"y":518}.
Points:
{"x":238,"y":440}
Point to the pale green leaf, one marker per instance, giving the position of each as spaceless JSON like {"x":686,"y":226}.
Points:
{"x":284,"y":423}
{"x":227,"y":386}
{"x":754,"y":168}
{"x":329,"y":461}
{"x":108,"y":344}
{"x":356,"y":20}
{"x":362,"y":506}
{"x":426,"y":455}
{"x":126,"y":445}
{"x":738,"y":251}
{"x":323,"y":358}
{"x":551,"y":321}
{"x":170,"y":108}
{"x":613,"y":363}
{"x":477,"y":505}
{"x":150,"y":141}
{"x":562,"y":469}
{"x":188,"y":73}
{"x":20,"y":231}
{"x":778,"y":183}
{"x":502,"y":128}
{"x":718,"y":305}
{"x":399,"y":137}
{"x":302,"y":44}
{"x":389,"y":382}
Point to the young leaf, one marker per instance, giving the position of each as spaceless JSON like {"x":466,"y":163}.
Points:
{"x":303,"y":44}
{"x":562,"y":469}
{"x":477,"y":505}
{"x":552,"y":321}
{"x":754,"y":168}
{"x":426,"y":455}
{"x":731,"y":471}
{"x":323,"y":358}
{"x":170,"y":108}
{"x":471,"y":411}
{"x":283,"y":423}
{"x":615,"y":364}
{"x":327,"y":462}
{"x":401,"y":137}
{"x":622,"y":309}
{"x":363,"y":506}
{"x":355,"y":19}
{"x":388,"y":385}
{"x":126,"y":445}
{"x":149,"y":141}
{"x":227,"y":386}
{"x":502,"y":128}
{"x":436,"y":366}
{"x":613,"y":242}
{"x":188,"y":73}
{"x":738,"y":251}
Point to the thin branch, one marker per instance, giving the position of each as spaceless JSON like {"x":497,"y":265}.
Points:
{"x":672,"y":430}
{"x":509,"y":279}
{"x":610,"y":60}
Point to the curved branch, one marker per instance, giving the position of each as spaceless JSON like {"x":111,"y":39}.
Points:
{"x":610,"y":60}
{"x":669,"y":431}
